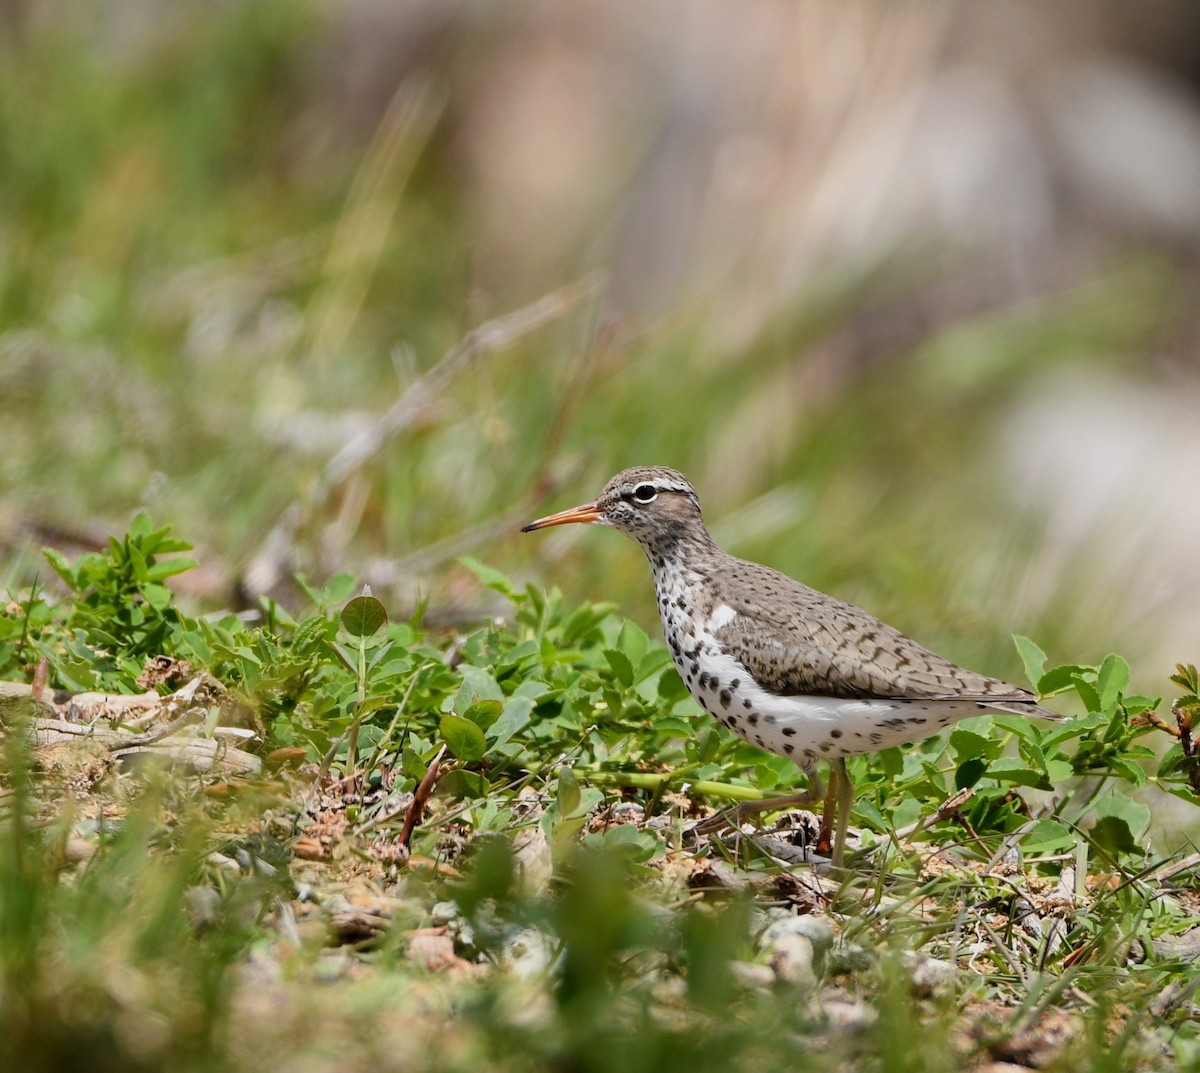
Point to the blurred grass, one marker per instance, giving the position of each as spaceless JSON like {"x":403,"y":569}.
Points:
{"x":206,"y":286}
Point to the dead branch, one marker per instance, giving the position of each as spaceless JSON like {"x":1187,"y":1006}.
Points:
{"x":417,"y":808}
{"x":277,"y":555}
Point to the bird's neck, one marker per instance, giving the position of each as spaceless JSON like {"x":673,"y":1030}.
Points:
{"x":680,"y":558}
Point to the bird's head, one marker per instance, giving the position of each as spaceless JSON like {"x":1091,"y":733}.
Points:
{"x":653,"y":504}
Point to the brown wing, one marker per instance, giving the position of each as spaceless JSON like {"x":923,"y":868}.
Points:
{"x":830,"y":648}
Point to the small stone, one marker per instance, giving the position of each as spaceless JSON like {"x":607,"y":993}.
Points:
{"x":78,"y":850}
{"x":533,"y":857}
{"x":749,"y":974}
{"x":847,"y":1014}
{"x":527,"y":953}
{"x":627,"y":812}
{"x":932,"y":976}
{"x":443,"y":913}
{"x":847,"y":958}
{"x":432,"y":949}
{"x":203,"y":905}
{"x":791,"y":959}
{"x":818,"y":930}
{"x":797,"y":947}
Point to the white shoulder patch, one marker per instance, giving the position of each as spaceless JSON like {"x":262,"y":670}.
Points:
{"x":722,"y":615}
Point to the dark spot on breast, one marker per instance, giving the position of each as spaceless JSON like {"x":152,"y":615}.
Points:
{"x":746,"y":703}
{"x":735,"y":683}
{"x":758,"y":740}
{"x":753,"y":719}
{"x":876,"y":739}
{"x":788,"y":732}
{"x":771,"y":719}
{"x":703,"y":680}
{"x":835,"y":733}
{"x":789,"y":748}
{"x":982,"y":707}
{"x":714,"y":681}
{"x":918,"y":719}
{"x":725,"y":698}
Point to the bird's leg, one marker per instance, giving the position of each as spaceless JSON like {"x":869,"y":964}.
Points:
{"x":839,"y":800}
{"x":825,"y":833}
{"x":845,"y":804}
{"x":739,"y":813}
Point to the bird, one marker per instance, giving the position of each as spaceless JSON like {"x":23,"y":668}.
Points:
{"x":792,"y":670}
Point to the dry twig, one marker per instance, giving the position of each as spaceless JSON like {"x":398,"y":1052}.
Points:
{"x":277,"y":555}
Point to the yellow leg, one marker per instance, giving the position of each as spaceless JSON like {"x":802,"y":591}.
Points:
{"x":836,"y":819}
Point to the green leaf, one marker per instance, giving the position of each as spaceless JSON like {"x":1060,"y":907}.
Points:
{"x":514,"y":718}
{"x":364,"y":619}
{"x":1113,"y":833}
{"x":412,"y":764}
{"x":1112,"y":680}
{"x":627,"y":841}
{"x":1013,"y":772}
{"x":1134,"y":813}
{"x":1058,"y":679}
{"x":632,"y":640}
{"x":967,"y":744}
{"x":490,"y":577}
{"x":1048,"y":836}
{"x":969,"y":773}
{"x":906,"y":813}
{"x":1032,"y":657}
{"x":568,"y":795}
{"x":670,"y":686}
{"x":477,"y":685}
{"x":621,"y":666}
{"x":463,"y":738}
{"x":160,"y":571}
{"x":483,"y":713}
{"x":460,"y":783}
{"x":62,"y":567}
{"x":1016,"y":724}
{"x":1087,"y":693}
{"x":157,"y":596}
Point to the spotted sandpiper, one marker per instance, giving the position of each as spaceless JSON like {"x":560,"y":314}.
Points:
{"x":790,"y":669}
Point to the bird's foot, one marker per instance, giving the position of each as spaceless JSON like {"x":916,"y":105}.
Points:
{"x":734,"y":816}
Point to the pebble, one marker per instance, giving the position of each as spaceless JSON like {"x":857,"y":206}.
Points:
{"x":931,"y":976}
{"x":749,"y":974}
{"x":847,"y":958}
{"x":527,"y":953}
{"x":848,"y":1014}
{"x":791,"y":959}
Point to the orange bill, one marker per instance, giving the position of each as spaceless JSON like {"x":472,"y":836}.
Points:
{"x":588,"y":512}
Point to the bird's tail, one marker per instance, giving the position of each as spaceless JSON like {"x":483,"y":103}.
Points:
{"x":1030,"y":708}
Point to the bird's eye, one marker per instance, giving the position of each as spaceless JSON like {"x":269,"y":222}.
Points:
{"x":645,"y":493}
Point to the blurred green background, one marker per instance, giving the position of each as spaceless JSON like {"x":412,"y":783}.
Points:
{"x":907,"y":290}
